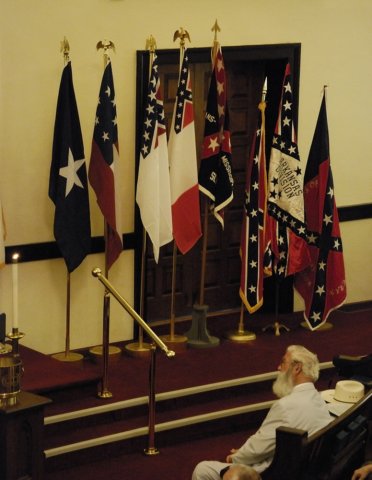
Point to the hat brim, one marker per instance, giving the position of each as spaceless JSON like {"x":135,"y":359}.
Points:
{"x":329,"y":397}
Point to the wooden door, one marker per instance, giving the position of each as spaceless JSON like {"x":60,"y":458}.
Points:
{"x":222,"y":271}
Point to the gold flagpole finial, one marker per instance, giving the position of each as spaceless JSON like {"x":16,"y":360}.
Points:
{"x":264,"y":91}
{"x":182,"y":34}
{"x":151,"y":44}
{"x":215,"y":29}
{"x":105,"y":45}
{"x":65,"y":49}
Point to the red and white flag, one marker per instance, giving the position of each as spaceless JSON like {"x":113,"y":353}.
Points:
{"x":322,"y":285}
{"x":287,"y":251}
{"x":183,"y":166}
{"x":153,"y":184}
{"x":104,"y":158}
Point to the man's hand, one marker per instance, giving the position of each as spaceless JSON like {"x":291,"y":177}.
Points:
{"x":229,"y":457}
{"x":362,"y":472}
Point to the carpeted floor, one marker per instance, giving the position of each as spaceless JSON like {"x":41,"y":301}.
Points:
{"x":128,"y":378}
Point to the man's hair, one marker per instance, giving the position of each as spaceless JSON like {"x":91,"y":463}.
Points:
{"x":309,"y":361}
{"x":242,"y":472}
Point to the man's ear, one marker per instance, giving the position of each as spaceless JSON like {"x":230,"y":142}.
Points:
{"x":297,"y":368}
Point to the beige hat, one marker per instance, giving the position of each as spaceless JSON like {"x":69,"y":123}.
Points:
{"x":346,"y":391}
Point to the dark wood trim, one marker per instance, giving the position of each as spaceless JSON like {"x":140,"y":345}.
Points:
{"x":49,"y":250}
{"x":355,"y":212}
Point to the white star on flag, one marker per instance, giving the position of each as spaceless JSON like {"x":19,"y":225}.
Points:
{"x":70,"y":172}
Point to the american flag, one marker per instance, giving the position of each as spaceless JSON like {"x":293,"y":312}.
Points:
{"x":254,"y":219}
{"x":322,"y":285}
{"x":103,"y":161}
{"x":286,"y":230}
{"x":153,"y":184}
{"x":183,"y":165}
{"x":68,"y":184}
{"x":215,"y":171}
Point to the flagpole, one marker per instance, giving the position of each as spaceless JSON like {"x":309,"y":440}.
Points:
{"x":142,"y":348}
{"x":106,"y":350}
{"x":326,"y":325}
{"x":240,"y":335}
{"x":67,"y":356}
{"x":177,"y":342}
{"x":198,"y":335}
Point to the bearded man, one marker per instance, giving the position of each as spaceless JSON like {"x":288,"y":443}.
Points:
{"x":300,"y":406}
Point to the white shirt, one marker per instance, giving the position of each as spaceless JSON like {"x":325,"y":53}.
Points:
{"x":303,"y":408}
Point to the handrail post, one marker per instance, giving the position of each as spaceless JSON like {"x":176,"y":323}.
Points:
{"x":151,"y":449}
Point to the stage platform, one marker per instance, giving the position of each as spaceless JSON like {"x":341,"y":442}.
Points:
{"x":200,"y":392}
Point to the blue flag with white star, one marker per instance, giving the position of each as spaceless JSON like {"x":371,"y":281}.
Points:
{"x":68,"y":186}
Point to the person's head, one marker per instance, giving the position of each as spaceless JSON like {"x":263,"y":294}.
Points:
{"x":241,"y":472}
{"x":298,"y":365}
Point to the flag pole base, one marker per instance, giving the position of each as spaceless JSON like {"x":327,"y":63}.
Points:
{"x":138,"y":349}
{"x":198,"y":335}
{"x":276,"y":327}
{"x":241,"y":336}
{"x":151,"y":451}
{"x":323,"y":328}
{"x":68,"y":357}
{"x":177,"y":343}
{"x":114,"y":353}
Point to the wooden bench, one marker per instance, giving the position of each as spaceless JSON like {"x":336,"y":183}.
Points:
{"x":332,"y":453}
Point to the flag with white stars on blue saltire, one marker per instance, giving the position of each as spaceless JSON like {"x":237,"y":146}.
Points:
{"x":322,"y":285}
{"x":153,"y":184}
{"x":286,"y":229}
{"x":183,"y":165}
{"x":68,"y":186}
{"x":103,"y":163}
{"x":215,"y":171}
{"x":252,"y":245}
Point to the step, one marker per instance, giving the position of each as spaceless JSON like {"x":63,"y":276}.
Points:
{"x":211,"y":408}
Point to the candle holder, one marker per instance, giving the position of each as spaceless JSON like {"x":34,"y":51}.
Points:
{"x":15,"y":336}
{"x":11,"y":370}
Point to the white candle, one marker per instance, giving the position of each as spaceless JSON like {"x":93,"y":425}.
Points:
{"x":15,"y":289}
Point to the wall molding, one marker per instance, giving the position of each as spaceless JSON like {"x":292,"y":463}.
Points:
{"x":49,"y":250}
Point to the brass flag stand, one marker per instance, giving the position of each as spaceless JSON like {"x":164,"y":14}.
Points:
{"x":177,"y":342}
{"x":151,"y":449}
{"x":241,"y":335}
{"x":67,"y":355}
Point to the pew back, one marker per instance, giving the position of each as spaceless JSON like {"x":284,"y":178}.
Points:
{"x":332,"y":453}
